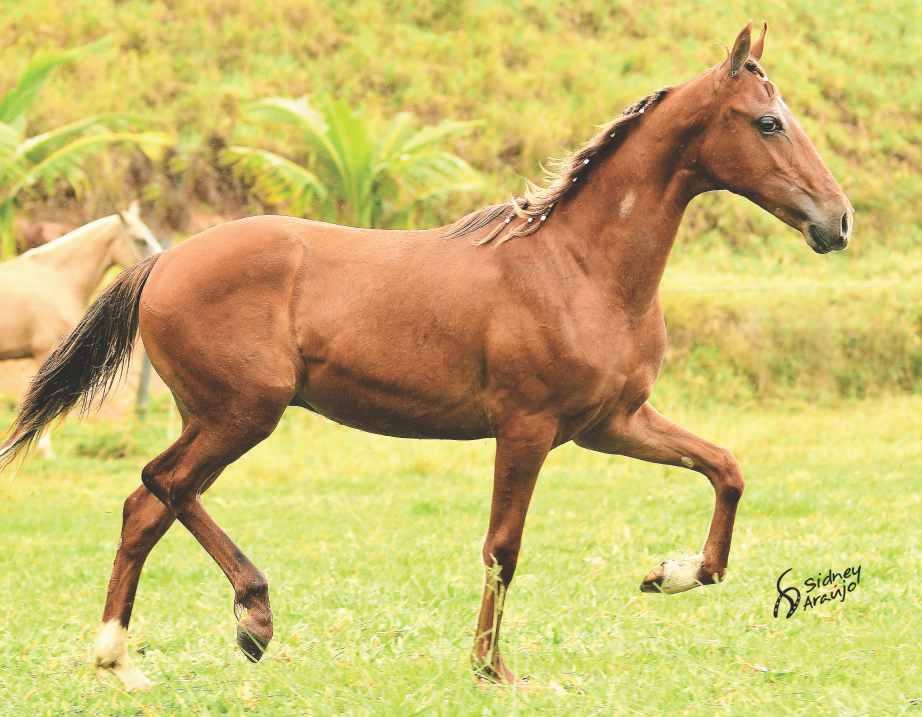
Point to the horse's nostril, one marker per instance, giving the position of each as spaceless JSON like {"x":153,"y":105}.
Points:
{"x":845,"y":224}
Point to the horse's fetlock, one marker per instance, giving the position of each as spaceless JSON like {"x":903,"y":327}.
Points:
{"x":254,"y":591}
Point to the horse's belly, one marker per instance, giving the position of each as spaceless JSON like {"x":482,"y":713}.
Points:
{"x":411,"y":405}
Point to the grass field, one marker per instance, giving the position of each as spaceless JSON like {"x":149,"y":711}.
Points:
{"x":371,"y":546}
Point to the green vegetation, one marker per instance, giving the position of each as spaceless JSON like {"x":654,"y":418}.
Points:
{"x":372,"y":549}
{"x":372,"y":176}
{"x":45,"y":163}
{"x":540,"y":75}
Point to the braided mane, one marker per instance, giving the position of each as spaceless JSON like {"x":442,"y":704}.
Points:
{"x":567,"y":175}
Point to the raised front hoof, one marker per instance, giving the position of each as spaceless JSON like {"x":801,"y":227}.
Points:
{"x":677,"y":575}
{"x":253,"y":639}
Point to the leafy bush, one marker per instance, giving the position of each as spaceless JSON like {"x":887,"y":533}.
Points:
{"x":55,"y":157}
{"x":368,"y":174}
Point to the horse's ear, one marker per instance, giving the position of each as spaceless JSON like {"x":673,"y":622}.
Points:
{"x":134,"y":208}
{"x":740,"y":51}
{"x":756,"y":51}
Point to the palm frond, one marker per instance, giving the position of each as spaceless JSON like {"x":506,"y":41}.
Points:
{"x":38,"y":146}
{"x":395,"y":136}
{"x":276,"y":178}
{"x":66,"y":163}
{"x":367,"y":169}
{"x":422,"y":178}
{"x":348,"y":133}
{"x":18,"y":99}
{"x":310,"y":122}
{"x":432,"y":135}
{"x":11,"y":165}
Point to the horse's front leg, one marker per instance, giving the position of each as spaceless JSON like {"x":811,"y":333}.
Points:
{"x":521,"y":447}
{"x":650,"y":437}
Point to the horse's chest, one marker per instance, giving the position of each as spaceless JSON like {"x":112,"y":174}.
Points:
{"x":619,"y":363}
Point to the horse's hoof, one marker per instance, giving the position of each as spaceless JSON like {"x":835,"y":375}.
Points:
{"x":499,"y":675}
{"x":676,"y":576}
{"x":253,"y":645}
{"x":494,"y":672}
{"x":111,"y":655}
{"x":132,"y":679}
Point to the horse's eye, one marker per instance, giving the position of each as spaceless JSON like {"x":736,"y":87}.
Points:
{"x":769,"y":124}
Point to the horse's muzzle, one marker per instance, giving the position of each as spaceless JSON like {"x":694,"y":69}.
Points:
{"x":830,"y":236}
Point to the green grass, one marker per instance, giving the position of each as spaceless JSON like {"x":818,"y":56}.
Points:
{"x":371,"y":546}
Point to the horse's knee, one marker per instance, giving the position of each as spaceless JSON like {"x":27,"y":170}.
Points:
{"x":173,"y":490}
{"x":502,"y":550}
{"x":729,"y":481}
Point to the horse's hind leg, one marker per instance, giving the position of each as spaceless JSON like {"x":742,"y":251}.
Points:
{"x":193,"y":463}
{"x":45,"y":447}
{"x":144,"y":521}
{"x":207,"y":451}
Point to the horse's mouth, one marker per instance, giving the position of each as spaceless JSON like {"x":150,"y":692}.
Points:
{"x":821,"y":244}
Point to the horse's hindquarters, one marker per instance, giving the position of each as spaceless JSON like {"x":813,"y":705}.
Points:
{"x":215,"y":320}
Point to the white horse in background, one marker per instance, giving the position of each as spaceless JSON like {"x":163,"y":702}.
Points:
{"x":45,"y":291}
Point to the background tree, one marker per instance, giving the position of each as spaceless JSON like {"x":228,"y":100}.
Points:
{"x":46,"y":161}
{"x":350,"y":169}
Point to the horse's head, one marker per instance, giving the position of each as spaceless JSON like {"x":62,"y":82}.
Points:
{"x":752,"y":145}
{"x":135,"y":241}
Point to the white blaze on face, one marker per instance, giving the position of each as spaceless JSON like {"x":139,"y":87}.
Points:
{"x":111,"y":653}
{"x":627,"y":204}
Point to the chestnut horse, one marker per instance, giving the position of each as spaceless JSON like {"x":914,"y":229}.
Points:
{"x":543,"y":327}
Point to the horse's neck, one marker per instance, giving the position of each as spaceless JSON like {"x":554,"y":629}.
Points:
{"x":622,"y":224}
{"x":83,"y":256}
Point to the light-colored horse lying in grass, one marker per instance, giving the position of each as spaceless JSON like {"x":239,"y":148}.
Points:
{"x":45,"y":291}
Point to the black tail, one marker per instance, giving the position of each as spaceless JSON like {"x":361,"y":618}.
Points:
{"x":87,"y":363}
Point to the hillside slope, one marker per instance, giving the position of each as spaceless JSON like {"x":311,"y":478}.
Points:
{"x":540,"y":74}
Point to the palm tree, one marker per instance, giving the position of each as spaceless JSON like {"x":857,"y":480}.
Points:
{"x":46,"y":160}
{"x":360,"y":173}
